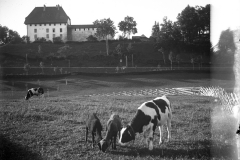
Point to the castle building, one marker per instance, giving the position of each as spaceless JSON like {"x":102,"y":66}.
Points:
{"x":50,"y":22}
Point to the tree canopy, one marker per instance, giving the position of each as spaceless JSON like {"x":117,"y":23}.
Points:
{"x":105,"y":27}
{"x":128,"y":26}
{"x":8,"y":35}
{"x":190,"y":31}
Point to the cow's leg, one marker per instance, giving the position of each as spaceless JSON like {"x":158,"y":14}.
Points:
{"x":86,"y":135}
{"x":114,"y":142}
{"x":160,"y":134}
{"x":169,"y":130}
{"x":145,"y":130}
{"x":93,"y":139}
{"x":150,"y":138}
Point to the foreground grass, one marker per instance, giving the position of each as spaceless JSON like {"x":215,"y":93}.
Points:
{"x":53,"y":128}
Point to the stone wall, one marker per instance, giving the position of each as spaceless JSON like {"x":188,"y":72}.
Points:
{"x":80,"y":34}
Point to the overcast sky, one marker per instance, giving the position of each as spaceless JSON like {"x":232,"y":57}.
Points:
{"x":225,"y":13}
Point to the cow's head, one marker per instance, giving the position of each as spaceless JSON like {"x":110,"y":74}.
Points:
{"x":40,"y":90}
{"x":27,"y":96}
{"x":126,"y":135}
{"x":103,"y":145}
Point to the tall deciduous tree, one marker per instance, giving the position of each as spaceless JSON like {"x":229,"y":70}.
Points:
{"x":156,"y":31}
{"x":189,"y":22}
{"x":3,"y":34}
{"x":128,"y":26}
{"x":105,"y":28}
{"x":8,"y":35}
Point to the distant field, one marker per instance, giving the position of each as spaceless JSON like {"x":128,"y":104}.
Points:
{"x":53,"y":127}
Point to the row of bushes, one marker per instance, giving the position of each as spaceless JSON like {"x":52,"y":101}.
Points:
{"x":58,"y":40}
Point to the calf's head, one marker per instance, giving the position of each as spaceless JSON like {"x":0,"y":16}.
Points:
{"x":28,"y":95}
{"x":40,"y":90}
{"x":126,"y":135}
{"x":103,"y":145}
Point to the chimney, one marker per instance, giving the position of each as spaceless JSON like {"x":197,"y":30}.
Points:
{"x":44,"y":7}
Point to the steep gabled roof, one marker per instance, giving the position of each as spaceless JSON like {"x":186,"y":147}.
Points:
{"x":47,"y":15}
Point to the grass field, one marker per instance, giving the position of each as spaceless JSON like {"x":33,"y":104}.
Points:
{"x":53,"y":127}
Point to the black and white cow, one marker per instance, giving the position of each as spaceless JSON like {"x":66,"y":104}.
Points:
{"x":149,"y":115}
{"x":238,"y":131}
{"x":34,"y":91}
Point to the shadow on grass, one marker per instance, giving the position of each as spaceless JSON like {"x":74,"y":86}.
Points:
{"x":174,"y":152}
{"x":13,"y":151}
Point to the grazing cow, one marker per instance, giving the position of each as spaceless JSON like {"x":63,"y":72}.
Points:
{"x":34,"y":91}
{"x":238,"y":131}
{"x":94,"y":125}
{"x":114,"y":126}
{"x":149,"y":115}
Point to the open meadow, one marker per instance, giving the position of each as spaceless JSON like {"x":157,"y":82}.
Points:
{"x":53,"y":127}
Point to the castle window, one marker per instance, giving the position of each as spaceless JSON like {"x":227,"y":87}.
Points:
{"x":75,"y":29}
{"x":47,"y":30}
{"x":47,"y":36}
{"x":30,"y":25}
{"x":40,"y":24}
{"x":54,"y":24}
{"x":60,"y":29}
{"x":53,"y":30}
{"x":35,"y":30}
{"x":49,"y":24}
{"x":35,"y":24}
{"x":44,"y":24}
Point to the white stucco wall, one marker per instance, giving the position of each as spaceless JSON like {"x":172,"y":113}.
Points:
{"x":41,"y":31}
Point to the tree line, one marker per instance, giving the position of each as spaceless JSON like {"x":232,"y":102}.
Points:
{"x":9,"y":36}
{"x":190,"y":33}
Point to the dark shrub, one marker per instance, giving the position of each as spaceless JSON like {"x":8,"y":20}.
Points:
{"x":57,"y":40}
{"x":91,"y":38}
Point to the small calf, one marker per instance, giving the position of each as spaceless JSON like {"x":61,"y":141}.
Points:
{"x":114,"y":126}
{"x":34,"y":91}
{"x":94,"y":125}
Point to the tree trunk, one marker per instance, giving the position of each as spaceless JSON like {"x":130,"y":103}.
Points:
{"x":126,"y":62}
{"x":26,"y":59}
{"x":164,"y":58}
{"x":107,"y":44}
{"x":132,"y":60}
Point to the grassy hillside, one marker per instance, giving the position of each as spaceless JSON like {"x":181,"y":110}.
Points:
{"x":83,"y":55}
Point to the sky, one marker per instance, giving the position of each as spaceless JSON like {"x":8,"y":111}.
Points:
{"x":144,"y":12}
